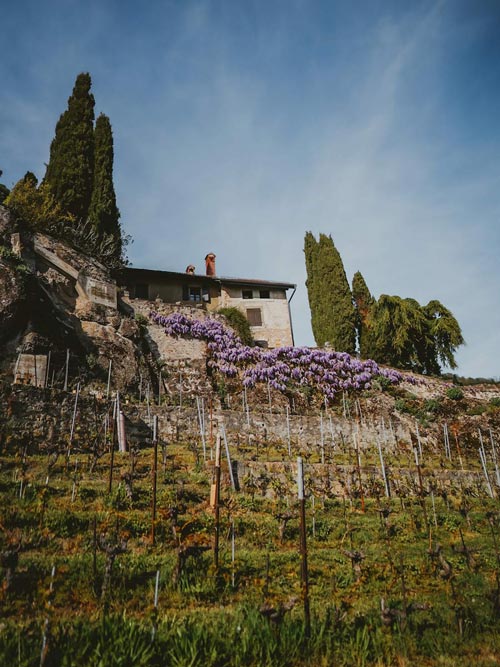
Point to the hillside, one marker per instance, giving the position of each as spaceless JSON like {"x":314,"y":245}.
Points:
{"x":107,"y":562}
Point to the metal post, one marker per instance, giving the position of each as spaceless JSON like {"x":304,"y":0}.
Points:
{"x":154,"y":473}
{"x":109,"y":379}
{"x":216,"y":501}
{"x":66,"y":372}
{"x":303,"y":547}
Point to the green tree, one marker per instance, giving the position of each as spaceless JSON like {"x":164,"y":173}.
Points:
{"x":69,"y":174}
{"x":35,"y":206}
{"x":412,"y":337}
{"x":333,"y":316}
{"x":4,"y":190}
{"x":364,"y":303}
{"x":103,"y":212}
{"x":446,"y":336}
{"x":312,"y":282}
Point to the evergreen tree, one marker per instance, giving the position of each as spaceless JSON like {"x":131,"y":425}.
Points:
{"x":332,"y":312}
{"x":35,"y":206}
{"x":364,"y":302}
{"x":409,"y":336}
{"x":312,"y":282}
{"x":103,"y":212}
{"x":70,"y":170}
{"x":446,"y":337}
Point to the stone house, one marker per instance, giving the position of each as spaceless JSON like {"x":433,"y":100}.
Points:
{"x":264,"y":303}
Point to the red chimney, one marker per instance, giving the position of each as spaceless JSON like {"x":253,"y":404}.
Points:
{"x":210,"y":264}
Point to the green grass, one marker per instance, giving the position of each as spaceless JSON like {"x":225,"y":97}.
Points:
{"x":432,"y":616}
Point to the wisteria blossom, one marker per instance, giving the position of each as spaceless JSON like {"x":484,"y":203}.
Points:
{"x":326,"y":371}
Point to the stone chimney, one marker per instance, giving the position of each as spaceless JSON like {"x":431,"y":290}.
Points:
{"x":210,"y":264}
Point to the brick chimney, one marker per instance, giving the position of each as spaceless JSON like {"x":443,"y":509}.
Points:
{"x":210,"y":264}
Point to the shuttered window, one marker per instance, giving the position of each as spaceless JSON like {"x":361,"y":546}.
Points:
{"x":254,"y":317}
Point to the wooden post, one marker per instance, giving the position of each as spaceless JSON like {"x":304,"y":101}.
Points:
{"x":154,"y":473}
{"x":216,"y":494}
{"x":303,"y":547}
{"x":122,"y":434}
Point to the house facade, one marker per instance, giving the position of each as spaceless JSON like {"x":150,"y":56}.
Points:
{"x":265,"y":303}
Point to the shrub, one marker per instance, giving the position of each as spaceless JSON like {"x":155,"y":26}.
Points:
{"x":455,"y":393}
{"x":239,"y":323}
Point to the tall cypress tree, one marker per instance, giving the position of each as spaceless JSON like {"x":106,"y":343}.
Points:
{"x":313,"y":284}
{"x":364,"y":302}
{"x":332,"y":311}
{"x":69,"y":174}
{"x":103,"y":212}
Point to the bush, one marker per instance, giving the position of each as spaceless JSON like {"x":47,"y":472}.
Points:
{"x":239,"y":323}
{"x":455,"y":393}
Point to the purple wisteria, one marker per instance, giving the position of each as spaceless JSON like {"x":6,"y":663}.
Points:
{"x":325,"y":371}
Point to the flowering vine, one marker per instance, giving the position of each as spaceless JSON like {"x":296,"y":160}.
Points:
{"x":326,"y":371}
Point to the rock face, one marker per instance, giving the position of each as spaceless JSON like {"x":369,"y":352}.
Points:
{"x":12,"y":301}
{"x":55,"y":300}
{"x":7,"y":224}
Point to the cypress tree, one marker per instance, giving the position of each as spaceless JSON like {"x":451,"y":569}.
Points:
{"x":69,"y":173}
{"x":103,"y":212}
{"x":312,"y":283}
{"x":364,"y":302}
{"x":332,"y":311}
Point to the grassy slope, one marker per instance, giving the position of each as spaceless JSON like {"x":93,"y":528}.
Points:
{"x":203,"y":618}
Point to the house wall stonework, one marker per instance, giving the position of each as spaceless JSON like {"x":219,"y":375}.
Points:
{"x":276,"y":329}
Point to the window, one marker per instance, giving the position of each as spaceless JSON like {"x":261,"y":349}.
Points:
{"x":254,"y":317}
{"x":195,"y":294}
{"x":247,"y":294}
{"x":265,"y":294}
{"x":191,"y":293}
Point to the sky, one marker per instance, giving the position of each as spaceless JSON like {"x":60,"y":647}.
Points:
{"x":241,"y":124}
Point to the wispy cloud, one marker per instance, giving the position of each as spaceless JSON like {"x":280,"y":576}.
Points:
{"x":238,"y":127}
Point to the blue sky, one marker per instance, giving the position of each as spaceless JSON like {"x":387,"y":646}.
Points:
{"x":239,"y":125}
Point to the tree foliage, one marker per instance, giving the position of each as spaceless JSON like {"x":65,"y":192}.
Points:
{"x":419,"y":338}
{"x":237,"y":320}
{"x":364,"y":302}
{"x":70,"y":171}
{"x":76,"y":200}
{"x":103,"y":212}
{"x":35,"y":205}
{"x":333,"y":316}
{"x":391,"y":330}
